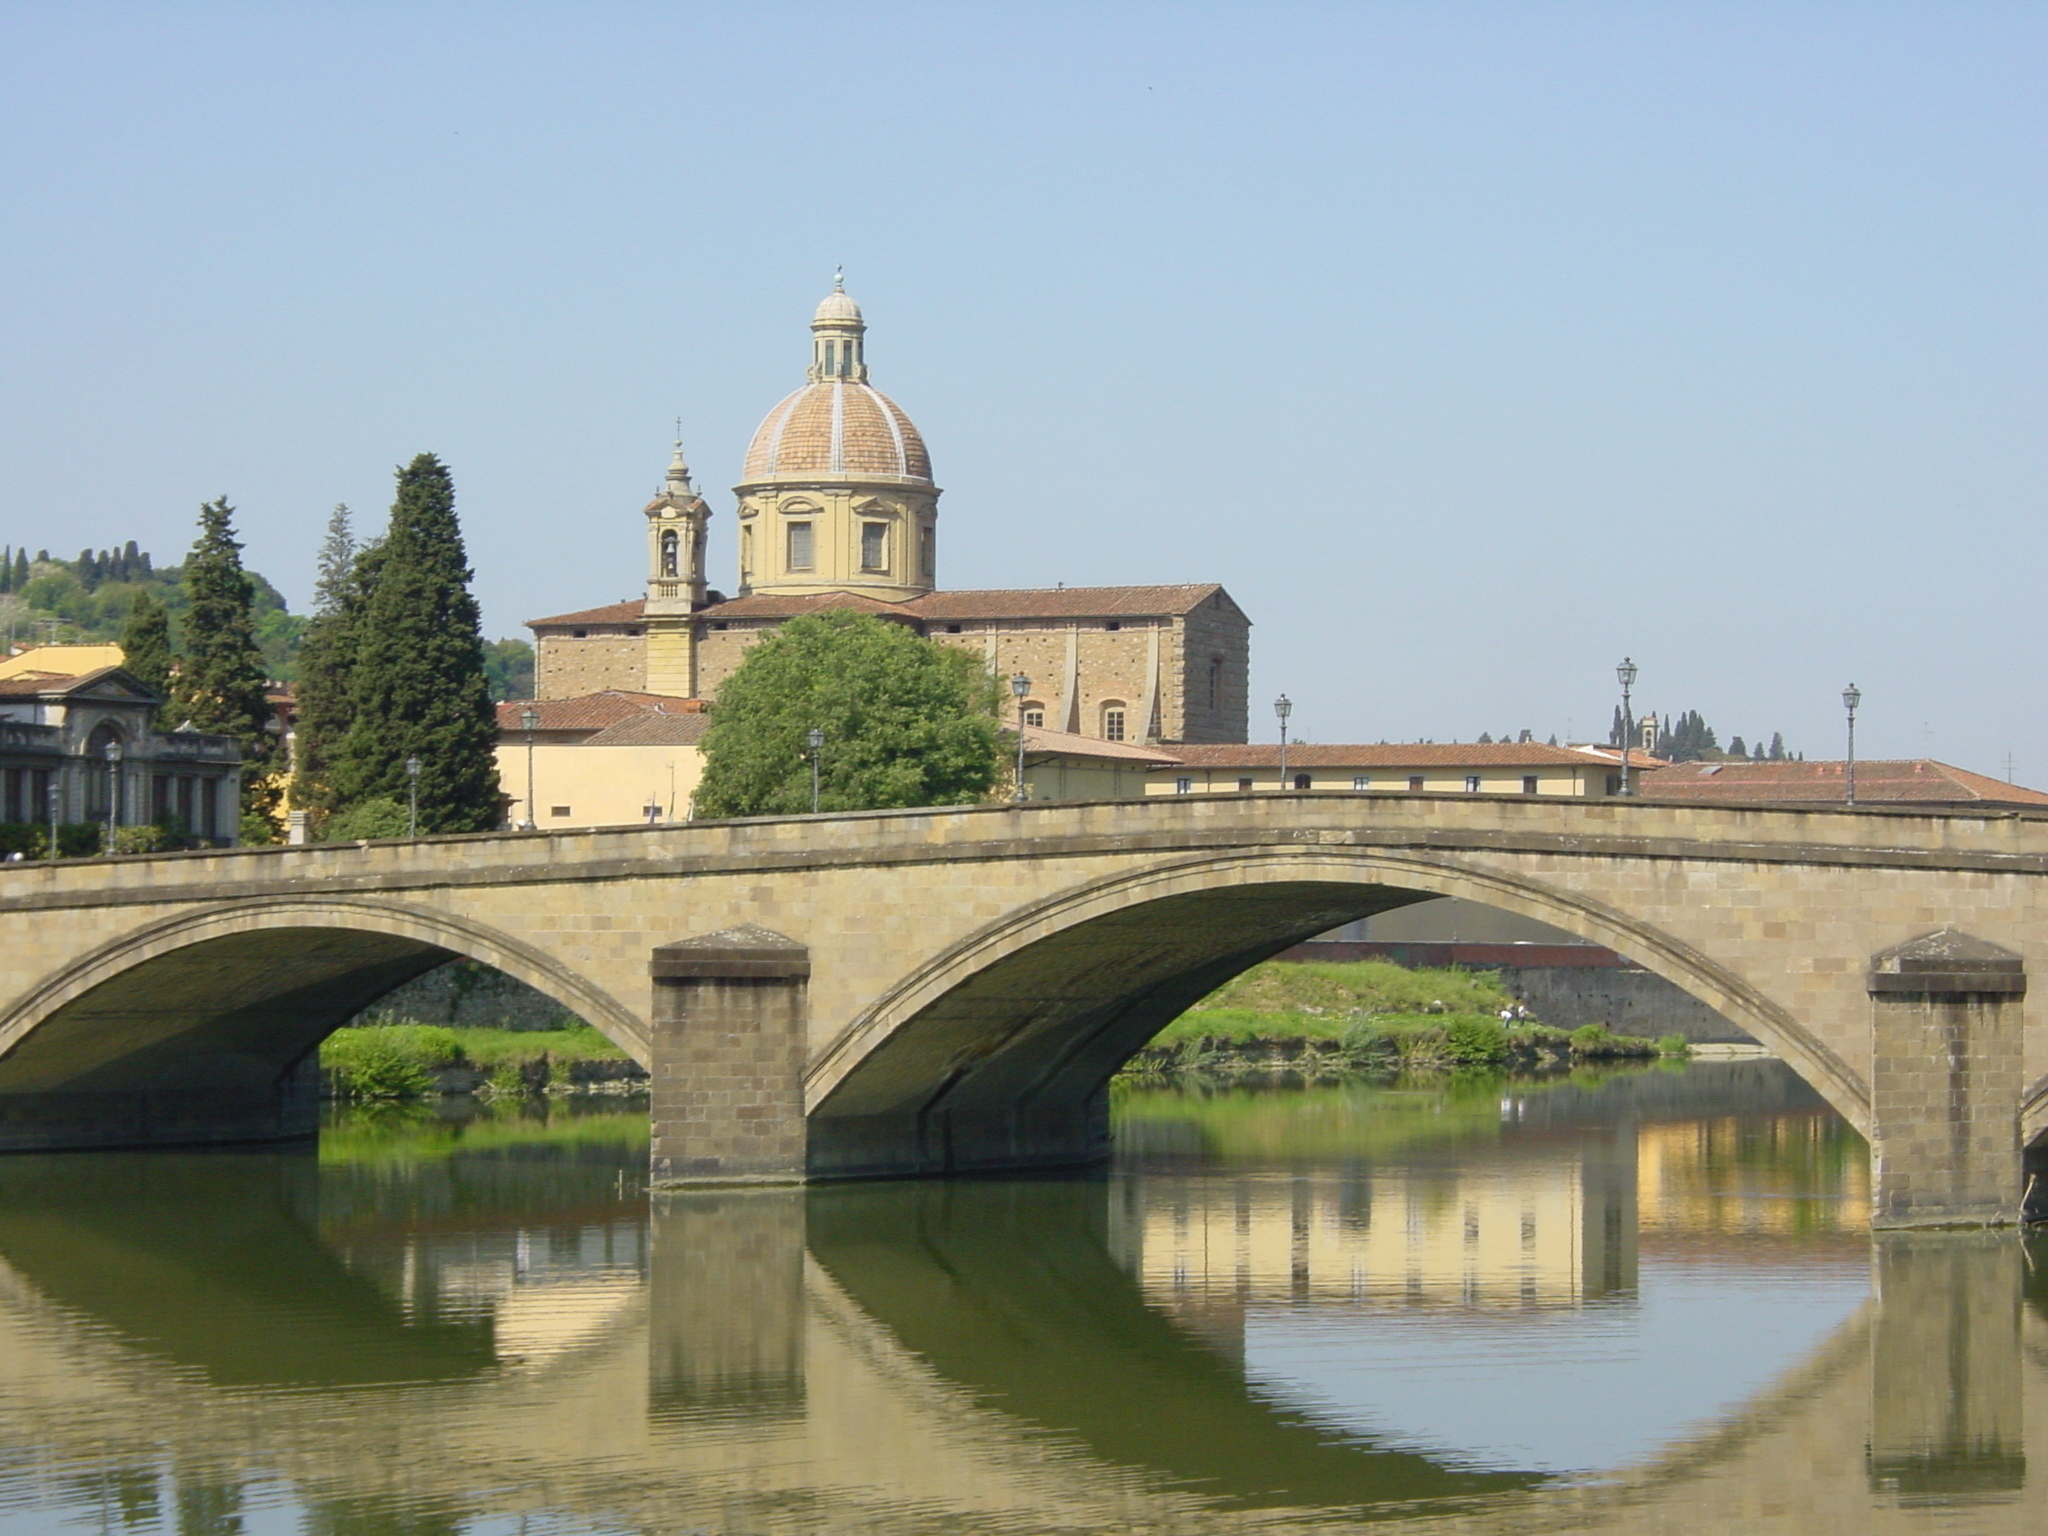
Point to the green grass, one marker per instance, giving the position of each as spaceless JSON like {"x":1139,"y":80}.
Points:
{"x":1370,"y":1014}
{"x":398,"y":1061}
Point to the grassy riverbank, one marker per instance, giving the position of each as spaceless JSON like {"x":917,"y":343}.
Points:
{"x":1370,"y":1015}
{"x":407,"y":1061}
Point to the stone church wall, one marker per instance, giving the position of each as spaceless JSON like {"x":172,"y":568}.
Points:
{"x":566,"y":668}
{"x":1216,"y":629}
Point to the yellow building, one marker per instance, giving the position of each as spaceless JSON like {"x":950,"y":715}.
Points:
{"x":603,"y":760}
{"x":837,"y":508}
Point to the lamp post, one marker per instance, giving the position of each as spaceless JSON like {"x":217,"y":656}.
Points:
{"x":1626,"y":673}
{"x":1283,"y":707}
{"x":816,"y":738}
{"x":412,"y":774}
{"x":530,"y":718}
{"x":1851,"y":697}
{"x":1020,"y":685}
{"x":113,"y":792}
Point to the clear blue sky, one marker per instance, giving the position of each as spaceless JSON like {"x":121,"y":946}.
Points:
{"x":1471,"y":346}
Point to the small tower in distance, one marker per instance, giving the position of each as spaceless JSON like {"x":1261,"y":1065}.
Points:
{"x":676,"y":520}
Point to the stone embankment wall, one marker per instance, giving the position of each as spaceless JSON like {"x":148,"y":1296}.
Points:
{"x":1565,"y":985}
{"x":465,"y":995}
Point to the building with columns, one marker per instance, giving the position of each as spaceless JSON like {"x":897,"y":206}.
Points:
{"x":837,"y":507}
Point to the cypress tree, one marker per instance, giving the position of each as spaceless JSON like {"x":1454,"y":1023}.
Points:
{"x":419,"y":688}
{"x":220,"y":685}
{"x":327,"y":660}
{"x":146,"y":646}
{"x":21,"y":571}
{"x":7,"y":569}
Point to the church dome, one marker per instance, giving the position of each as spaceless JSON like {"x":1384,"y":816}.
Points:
{"x":838,"y":426}
{"x":838,"y":429}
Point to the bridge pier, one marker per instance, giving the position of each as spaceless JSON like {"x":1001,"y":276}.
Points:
{"x":1946,"y":1082}
{"x":727,"y":1091}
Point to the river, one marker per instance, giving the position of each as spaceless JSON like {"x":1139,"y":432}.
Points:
{"x":1645,"y":1301}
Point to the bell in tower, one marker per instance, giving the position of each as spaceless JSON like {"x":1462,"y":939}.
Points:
{"x":675,"y":580}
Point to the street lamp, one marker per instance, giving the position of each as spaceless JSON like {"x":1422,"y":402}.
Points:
{"x":113,"y":792}
{"x":530,"y":718}
{"x":1283,"y":707}
{"x":816,"y":738}
{"x":1626,"y":672}
{"x":1851,"y":697}
{"x":1020,"y":685}
{"x":412,"y":774}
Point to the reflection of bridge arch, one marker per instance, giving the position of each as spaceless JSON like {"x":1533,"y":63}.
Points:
{"x":1060,"y":993}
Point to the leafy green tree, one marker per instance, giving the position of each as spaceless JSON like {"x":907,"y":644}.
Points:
{"x":1777,"y":748}
{"x":509,"y":666}
{"x":906,"y":722}
{"x":220,"y":680}
{"x":1737,"y":747}
{"x":146,"y":646}
{"x":418,"y":688}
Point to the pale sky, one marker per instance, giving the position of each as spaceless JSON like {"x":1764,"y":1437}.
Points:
{"x":1471,"y":346}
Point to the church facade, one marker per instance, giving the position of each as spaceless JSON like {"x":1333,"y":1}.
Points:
{"x":837,"y":508}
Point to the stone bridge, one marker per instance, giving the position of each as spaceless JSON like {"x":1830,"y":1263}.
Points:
{"x":918,"y":992}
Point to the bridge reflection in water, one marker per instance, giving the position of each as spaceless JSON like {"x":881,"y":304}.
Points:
{"x":415,"y":1346}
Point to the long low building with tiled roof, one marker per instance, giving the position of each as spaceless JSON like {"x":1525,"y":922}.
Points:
{"x":1914,"y":782}
{"x":1501,"y":768}
{"x":838,"y":510}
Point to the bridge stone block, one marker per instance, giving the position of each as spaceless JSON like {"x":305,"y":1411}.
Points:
{"x":1946,"y":1081}
{"x":727,"y":1098}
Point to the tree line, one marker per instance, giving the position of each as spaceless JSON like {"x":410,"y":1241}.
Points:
{"x":391,"y":669}
{"x":1687,"y":738}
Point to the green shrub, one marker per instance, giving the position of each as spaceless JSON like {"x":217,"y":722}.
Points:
{"x":148,"y":838}
{"x":380,"y":817}
{"x":1474,"y":1040}
{"x":1588,"y":1038}
{"x":1674,"y":1045}
{"x":388,"y":1061}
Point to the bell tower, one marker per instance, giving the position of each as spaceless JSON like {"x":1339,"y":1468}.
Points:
{"x":675,"y":580}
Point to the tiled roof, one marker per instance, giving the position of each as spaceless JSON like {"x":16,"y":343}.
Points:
{"x":653,"y":730}
{"x":1062,"y":602}
{"x":1908,"y":781}
{"x":1066,"y":744}
{"x":611,"y":613}
{"x":28,"y":685}
{"x":1370,"y":755}
{"x":837,"y":429}
{"x":766,"y":605}
{"x":592,"y":711}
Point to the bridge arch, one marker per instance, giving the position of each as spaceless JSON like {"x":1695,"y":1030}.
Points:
{"x":1004,"y":1042}
{"x":232,"y":999}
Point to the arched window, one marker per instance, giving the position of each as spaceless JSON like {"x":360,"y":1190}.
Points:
{"x":1113,"y":720}
{"x":1034,"y":714}
{"x":671,"y":549}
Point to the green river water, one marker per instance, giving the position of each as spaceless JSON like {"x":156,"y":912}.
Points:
{"x":1639,"y":1302}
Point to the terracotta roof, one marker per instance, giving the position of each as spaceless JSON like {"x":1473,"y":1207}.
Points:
{"x":653,"y":730}
{"x":1908,"y":781}
{"x":31,"y":685}
{"x":592,"y":711}
{"x":1066,"y":744}
{"x":768,"y":605}
{"x":1062,"y":602}
{"x":837,"y":429}
{"x":611,"y":613}
{"x":1498,"y":754}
